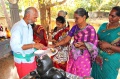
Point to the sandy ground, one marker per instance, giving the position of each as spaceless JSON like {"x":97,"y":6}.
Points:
{"x":7,"y":68}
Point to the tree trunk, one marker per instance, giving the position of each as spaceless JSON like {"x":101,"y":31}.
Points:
{"x":14,"y":12}
{"x":44,"y":18}
{"x":49,"y":19}
{"x":6,"y":14}
{"x":45,"y":14}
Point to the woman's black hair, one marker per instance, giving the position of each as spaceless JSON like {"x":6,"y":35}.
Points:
{"x":60,"y":19}
{"x":117,"y":8}
{"x":82,"y":12}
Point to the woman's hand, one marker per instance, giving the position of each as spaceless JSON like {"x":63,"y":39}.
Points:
{"x":105,"y":46}
{"x":39,"y":46}
{"x":54,"y":41}
{"x":51,"y":46}
{"x":109,"y":51}
{"x":80,"y":45}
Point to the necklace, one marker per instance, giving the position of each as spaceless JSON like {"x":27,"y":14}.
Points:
{"x":107,"y":27}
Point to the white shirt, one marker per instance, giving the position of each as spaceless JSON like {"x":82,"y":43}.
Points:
{"x":21,"y":34}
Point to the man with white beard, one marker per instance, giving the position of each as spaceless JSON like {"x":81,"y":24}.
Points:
{"x":22,"y":43}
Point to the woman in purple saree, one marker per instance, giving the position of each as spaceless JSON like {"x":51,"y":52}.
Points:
{"x":83,"y":49}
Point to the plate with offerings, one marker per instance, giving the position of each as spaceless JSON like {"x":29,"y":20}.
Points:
{"x":49,"y":51}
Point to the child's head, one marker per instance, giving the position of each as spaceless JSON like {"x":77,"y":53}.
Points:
{"x":60,"y":21}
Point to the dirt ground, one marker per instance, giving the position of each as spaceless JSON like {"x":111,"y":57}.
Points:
{"x":7,"y":68}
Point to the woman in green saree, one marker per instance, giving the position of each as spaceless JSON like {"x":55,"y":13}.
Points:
{"x":107,"y":63}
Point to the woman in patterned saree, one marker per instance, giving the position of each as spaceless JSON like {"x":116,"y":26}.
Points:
{"x":83,"y":48}
{"x":59,"y":33}
{"x":107,"y":62}
{"x":39,"y":34}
